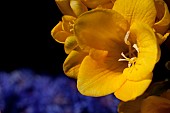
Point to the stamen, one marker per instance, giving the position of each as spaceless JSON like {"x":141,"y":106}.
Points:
{"x":71,"y":24}
{"x":123,"y":55}
{"x":136,"y":47}
{"x":131,"y":61}
{"x":122,"y":59}
{"x":126,"y":38}
{"x":71,"y":30}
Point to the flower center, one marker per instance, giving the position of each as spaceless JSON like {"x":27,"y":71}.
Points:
{"x":131,"y":54}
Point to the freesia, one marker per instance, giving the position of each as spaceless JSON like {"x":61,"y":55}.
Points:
{"x":121,"y":44}
{"x":113,"y":50}
{"x":63,"y":33}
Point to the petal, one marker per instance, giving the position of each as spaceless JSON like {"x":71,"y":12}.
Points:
{"x":72,"y":63}
{"x":136,"y":10}
{"x":163,"y":17}
{"x":131,"y":89}
{"x":161,"y":38}
{"x":158,"y":105}
{"x":94,"y":3}
{"x":70,"y":44}
{"x":78,"y":7}
{"x":107,"y":5}
{"x":59,"y":35}
{"x":100,"y":28}
{"x":148,"y":52}
{"x":64,"y":6}
{"x":99,"y":75}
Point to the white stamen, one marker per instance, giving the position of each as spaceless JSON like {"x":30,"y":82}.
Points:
{"x":123,"y":55}
{"x":71,"y":30}
{"x":126,"y":38}
{"x":122,"y":59}
{"x":136,"y":47}
{"x":129,"y":64}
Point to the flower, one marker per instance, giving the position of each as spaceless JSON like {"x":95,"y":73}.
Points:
{"x":110,"y":49}
{"x":63,"y":33}
{"x":121,"y":43}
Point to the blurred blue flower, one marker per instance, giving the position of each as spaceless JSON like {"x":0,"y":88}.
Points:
{"x":24,"y":91}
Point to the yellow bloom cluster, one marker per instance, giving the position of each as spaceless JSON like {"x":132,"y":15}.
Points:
{"x":112,"y":45}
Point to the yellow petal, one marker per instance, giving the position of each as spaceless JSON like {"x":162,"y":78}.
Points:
{"x":70,"y":44}
{"x":148,"y":52}
{"x":100,"y":29}
{"x":57,"y":28}
{"x":99,"y":75}
{"x":68,"y":23}
{"x":78,"y":7}
{"x":59,"y":35}
{"x":107,"y":5}
{"x":131,"y":89}
{"x":155,"y":104}
{"x":136,"y":10}
{"x":64,"y":6}
{"x":94,"y":3}
{"x":163,"y":16}
{"x":72,"y":63}
{"x":161,"y":38}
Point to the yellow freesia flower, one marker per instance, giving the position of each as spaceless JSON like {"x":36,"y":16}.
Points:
{"x":122,"y":49}
{"x":63,"y":33}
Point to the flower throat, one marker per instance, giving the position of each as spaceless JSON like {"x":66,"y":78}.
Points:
{"x":131,"y":54}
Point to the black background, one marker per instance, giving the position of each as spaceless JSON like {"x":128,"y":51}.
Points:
{"x":26,"y":41}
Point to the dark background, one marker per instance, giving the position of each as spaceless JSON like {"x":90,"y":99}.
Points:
{"x":26,"y":41}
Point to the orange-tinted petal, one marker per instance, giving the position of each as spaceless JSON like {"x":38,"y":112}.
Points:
{"x":72,"y":63}
{"x":94,"y":3}
{"x":107,"y":5}
{"x":58,"y":34}
{"x":163,"y":16}
{"x":70,"y":44}
{"x":64,"y":6}
{"x":137,"y":10}
{"x":100,"y":29}
{"x":100,"y":74}
{"x":78,"y":7}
